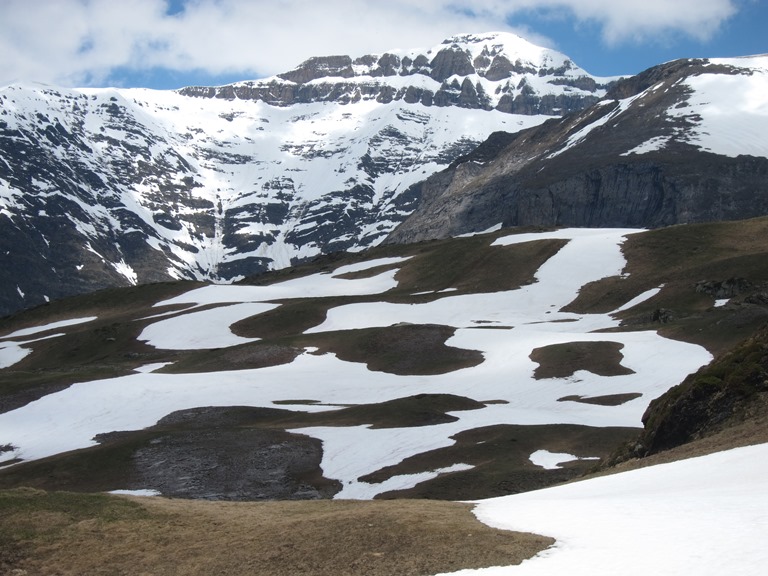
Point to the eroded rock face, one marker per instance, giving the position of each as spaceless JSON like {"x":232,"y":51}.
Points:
{"x":451,"y":61}
{"x":247,"y":464}
{"x":320,"y":67}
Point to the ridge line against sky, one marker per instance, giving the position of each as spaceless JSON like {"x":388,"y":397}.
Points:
{"x":167,"y":44}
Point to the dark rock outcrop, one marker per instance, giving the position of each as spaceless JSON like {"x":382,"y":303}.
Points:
{"x":451,"y":66}
{"x":730,"y":389}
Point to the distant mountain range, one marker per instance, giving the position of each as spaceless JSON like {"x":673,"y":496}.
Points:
{"x":109,"y":187}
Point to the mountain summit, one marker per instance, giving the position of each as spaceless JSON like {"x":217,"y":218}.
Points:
{"x":497,"y":70}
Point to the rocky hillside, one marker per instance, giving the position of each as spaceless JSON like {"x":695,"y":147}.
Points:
{"x":107,"y":187}
{"x":680,"y":143}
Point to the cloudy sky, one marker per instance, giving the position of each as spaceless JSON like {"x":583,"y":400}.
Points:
{"x":173,"y":43}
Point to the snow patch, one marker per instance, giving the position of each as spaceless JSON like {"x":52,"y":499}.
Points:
{"x":70,"y":419}
{"x":140,"y":492}
{"x":50,"y":326}
{"x":553,"y":460}
{"x":203,"y":329}
{"x":11,"y":353}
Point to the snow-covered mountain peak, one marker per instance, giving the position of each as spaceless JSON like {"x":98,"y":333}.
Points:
{"x":514,"y":48}
{"x":215,"y":183}
{"x":488,"y":71}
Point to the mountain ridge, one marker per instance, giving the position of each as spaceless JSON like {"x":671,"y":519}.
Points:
{"x":103,"y":187}
{"x":481,"y":68}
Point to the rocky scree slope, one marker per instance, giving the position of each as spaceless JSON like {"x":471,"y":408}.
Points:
{"x":108,"y":187}
{"x":680,"y":143}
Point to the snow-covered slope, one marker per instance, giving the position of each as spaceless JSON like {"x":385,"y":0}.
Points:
{"x":103,"y":187}
{"x":718,"y":106}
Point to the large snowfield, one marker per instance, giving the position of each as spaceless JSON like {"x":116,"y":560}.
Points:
{"x":702,"y":516}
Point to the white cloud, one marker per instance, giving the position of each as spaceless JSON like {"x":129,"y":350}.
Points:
{"x":73,"y":42}
{"x":638,"y":20}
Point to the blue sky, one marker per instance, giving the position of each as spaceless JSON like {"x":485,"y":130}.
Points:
{"x":744,"y":33}
{"x":172,"y":43}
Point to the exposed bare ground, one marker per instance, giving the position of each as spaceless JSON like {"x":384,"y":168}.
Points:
{"x":563,"y":360}
{"x":335,"y":538}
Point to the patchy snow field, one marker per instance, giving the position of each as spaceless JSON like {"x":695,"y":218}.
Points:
{"x":704,"y":516}
{"x":504,"y":326}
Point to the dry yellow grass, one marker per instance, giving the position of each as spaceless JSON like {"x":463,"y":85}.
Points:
{"x":339,"y":538}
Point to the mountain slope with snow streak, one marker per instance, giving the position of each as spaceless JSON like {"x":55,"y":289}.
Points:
{"x":679,"y":143}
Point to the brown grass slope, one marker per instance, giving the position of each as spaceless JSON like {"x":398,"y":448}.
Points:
{"x":47,"y":534}
{"x":694,"y":265}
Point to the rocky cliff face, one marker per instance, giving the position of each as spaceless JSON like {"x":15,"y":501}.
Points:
{"x":112,"y":187}
{"x":675,"y":144}
{"x":485,"y":71}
